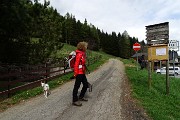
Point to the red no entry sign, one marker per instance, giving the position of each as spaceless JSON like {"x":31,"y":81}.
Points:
{"x":136,"y":46}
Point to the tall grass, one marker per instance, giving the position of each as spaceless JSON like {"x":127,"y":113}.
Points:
{"x":158,"y":105}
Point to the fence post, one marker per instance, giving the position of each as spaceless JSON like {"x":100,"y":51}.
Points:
{"x":64,"y":66}
{"x":46,"y":66}
{"x":9,"y":87}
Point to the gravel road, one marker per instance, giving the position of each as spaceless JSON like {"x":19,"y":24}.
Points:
{"x":104,"y":102}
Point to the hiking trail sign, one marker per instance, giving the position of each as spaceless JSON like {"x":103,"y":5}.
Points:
{"x":136,"y":46}
{"x":157,"y":33}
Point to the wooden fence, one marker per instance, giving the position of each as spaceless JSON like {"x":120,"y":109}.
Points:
{"x":27,"y":77}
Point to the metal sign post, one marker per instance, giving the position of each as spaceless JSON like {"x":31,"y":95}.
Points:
{"x":137,"y":61}
{"x":167,"y":77}
{"x":173,"y":46}
{"x":173,"y":63}
{"x":136,"y":47}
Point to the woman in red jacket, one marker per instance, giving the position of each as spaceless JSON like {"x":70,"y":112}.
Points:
{"x":79,"y":74}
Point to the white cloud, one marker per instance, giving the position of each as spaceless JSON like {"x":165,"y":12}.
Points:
{"x":120,"y":15}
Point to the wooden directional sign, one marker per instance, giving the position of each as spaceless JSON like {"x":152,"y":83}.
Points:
{"x":136,"y":46}
{"x":157,"y":33}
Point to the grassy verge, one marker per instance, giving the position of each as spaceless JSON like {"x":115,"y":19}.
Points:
{"x":155,"y":101}
{"x":24,"y":95}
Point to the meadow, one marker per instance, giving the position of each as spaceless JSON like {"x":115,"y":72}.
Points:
{"x":154,"y":100}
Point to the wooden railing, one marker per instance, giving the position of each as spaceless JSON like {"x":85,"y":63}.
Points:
{"x":24,"y":79}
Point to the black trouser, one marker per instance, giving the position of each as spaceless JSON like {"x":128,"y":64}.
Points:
{"x":80,"y":78}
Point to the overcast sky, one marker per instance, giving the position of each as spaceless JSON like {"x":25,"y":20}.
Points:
{"x":121,"y":15}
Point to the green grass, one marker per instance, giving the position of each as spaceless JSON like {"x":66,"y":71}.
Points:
{"x":155,"y":101}
{"x":64,"y":52}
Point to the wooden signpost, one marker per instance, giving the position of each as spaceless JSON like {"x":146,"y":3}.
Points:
{"x":157,"y":37}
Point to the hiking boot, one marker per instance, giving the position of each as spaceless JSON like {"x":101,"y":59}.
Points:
{"x":77,"y":103}
{"x":83,"y":99}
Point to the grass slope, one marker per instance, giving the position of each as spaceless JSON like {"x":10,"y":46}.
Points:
{"x":158,"y":105}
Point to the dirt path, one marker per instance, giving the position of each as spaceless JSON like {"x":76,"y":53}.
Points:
{"x":105,"y":101}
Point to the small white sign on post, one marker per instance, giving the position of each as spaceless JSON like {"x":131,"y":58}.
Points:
{"x":174,"y":45}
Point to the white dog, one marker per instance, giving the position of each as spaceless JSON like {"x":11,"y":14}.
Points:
{"x":45,"y":89}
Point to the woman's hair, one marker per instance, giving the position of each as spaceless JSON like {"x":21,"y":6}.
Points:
{"x":82,"y":46}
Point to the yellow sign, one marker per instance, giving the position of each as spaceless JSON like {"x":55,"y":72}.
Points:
{"x":158,"y":52}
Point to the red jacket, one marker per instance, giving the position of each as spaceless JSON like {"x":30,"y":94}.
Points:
{"x":79,"y":66}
